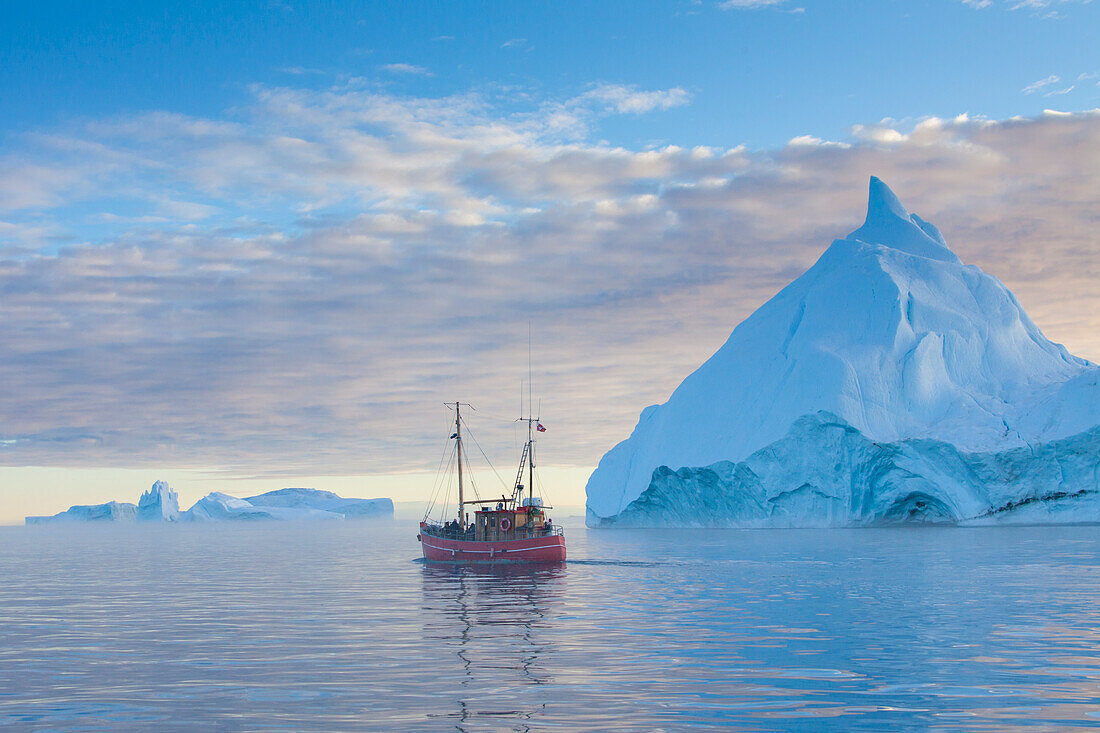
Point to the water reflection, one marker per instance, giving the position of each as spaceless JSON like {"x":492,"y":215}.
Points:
{"x":282,"y":627}
{"x":492,"y":621}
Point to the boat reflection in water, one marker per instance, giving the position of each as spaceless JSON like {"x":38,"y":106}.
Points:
{"x":486,"y":626}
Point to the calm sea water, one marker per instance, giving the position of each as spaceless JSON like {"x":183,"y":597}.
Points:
{"x":339,"y":627}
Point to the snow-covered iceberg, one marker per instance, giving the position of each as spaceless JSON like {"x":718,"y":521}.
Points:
{"x":889,"y":354}
{"x":112,"y":511}
{"x":325,"y":501}
{"x":287,"y":504}
{"x":159,"y":504}
{"x":219,"y":507}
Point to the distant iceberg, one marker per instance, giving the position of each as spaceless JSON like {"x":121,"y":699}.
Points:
{"x":325,"y":501}
{"x":888,"y":355}
{"x":112,"y":511}
{"x":161,"y":504}
{"x":218,"y":507}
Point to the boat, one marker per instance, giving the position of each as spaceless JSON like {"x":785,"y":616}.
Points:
{"x":511,"y":529}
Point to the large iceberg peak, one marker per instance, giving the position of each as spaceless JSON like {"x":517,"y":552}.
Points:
{"x":890,"y":332}
{"x":883,"y":202}
{"x":890,"y":224}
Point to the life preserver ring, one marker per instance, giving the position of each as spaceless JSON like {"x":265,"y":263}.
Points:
{"x":505,"y":524}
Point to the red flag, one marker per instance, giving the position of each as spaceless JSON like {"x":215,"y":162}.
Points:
{"x":540,"y":428}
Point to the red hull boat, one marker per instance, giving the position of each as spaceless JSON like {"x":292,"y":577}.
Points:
{"x":516,"y":530}
{"x":548,"y":548}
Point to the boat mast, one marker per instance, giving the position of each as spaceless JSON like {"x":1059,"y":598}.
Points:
{"x":458,"y":443}
{"x":530,"y":440}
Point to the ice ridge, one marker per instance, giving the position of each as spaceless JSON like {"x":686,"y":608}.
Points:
{"x":825,"y":473}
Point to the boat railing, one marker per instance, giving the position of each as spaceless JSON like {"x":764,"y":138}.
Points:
{"x":520,"y":533}
{"x":434,"y":530}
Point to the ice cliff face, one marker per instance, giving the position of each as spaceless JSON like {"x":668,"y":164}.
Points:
{"x":825,"y":473}
{"x":896,"y":340}
{"x":159,"y":504}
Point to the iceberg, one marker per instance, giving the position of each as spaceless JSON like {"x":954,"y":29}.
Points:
{"x":888,"y":383}
{"x":219,"y":507}
{"x":112,"y":511}
{"x":825,"y":472}
{"x":161,"y":504}
{"x":158,"y":504}
{"x":325,"y":501}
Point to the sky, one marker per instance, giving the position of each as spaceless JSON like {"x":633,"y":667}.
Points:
{"x":253,"y":245}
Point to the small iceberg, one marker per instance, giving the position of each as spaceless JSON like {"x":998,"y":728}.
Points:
{"x":112,"y":511}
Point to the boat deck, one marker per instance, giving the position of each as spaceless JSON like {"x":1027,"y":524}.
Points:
{"x":542,"y":544}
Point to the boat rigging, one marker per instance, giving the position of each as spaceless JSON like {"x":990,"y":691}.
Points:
{"x":516,"y":530}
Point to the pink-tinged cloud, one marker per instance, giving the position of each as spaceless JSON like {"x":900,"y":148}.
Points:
{"x":327,"y":268}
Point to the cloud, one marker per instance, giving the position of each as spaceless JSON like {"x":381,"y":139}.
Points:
{"x":1038,"y":4}
{"x":301,"y":287}
{"x":1041,"y":84}
{"x":298,"y":70}
{"x":811,"y":141}
{"x":1033,"y":5}
{"x":747,"y":4}
{"x":406,"y":69}
{"x":514,"y":43}
{"x":629,"y":100}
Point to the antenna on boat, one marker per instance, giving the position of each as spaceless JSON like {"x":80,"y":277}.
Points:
{"x":530,"y":385}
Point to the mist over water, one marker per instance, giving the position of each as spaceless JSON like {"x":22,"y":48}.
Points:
{"x":333,"y":627}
